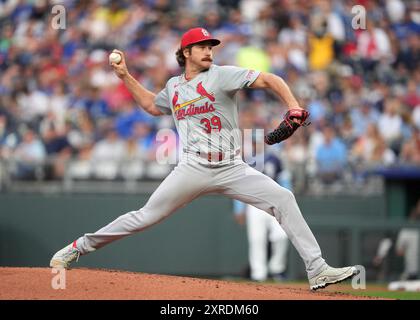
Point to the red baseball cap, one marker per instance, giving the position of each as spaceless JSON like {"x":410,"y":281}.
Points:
{"x":196,"y":35}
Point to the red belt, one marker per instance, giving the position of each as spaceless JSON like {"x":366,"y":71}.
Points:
{"x":211,"y":156}
{"x":214,"y":156}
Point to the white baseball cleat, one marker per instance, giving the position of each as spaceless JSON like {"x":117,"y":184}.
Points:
{"x":331,"y":275}
{"x":64,"y":257}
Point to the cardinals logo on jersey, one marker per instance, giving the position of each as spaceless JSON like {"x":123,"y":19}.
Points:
{"x":175,"y":99}
{"x":200,"y":90}
{"x":180,"y":108}
{"x":203,"y":92}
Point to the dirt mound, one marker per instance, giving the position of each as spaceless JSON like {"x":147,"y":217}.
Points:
{"x":37,"y":283}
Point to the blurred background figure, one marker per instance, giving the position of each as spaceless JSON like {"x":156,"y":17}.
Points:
{"x":267,"y":242}
{"x":8,"y":138}
{"x":331,"y":157}
{"x":132,"y":167}
{"x":407,"y":246}
{"x":29,"y":157}
{"x":410,"y":152}
{"x":107,"y":155}
{"x":390,"y":124}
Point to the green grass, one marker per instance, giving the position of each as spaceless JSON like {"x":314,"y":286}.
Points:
{"x":378,"y":290}
{"x":399,"y":295}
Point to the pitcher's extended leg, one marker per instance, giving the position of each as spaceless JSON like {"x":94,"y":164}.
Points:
{"x":180,"y":187}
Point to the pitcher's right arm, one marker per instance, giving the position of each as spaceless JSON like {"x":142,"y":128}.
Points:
{"x":143,"y":97}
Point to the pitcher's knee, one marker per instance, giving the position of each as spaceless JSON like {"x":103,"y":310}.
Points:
{"x":286,"y":195}
{"x":284,"y":201}
{"x":146,"y":217}
{"x":142,"y":219}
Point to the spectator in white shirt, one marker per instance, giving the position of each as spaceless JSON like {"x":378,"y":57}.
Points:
{"x":373,"y":43}
{"x":390,"y":124}
{"x":107,"y":155}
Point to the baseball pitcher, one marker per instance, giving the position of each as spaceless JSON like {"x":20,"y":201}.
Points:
{"x":202,"y":101}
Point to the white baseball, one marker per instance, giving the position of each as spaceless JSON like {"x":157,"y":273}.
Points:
{"x":115,"y":57}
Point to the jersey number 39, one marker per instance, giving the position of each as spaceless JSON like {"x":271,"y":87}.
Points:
{"x":213,"y":124}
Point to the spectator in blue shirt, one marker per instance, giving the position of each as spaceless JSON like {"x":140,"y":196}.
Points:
{"x":331,"y":157}
{"x":127,"y":120}
{"x":96,"y":106}
{"x":29,"y":155}
{"x":362,"y":116}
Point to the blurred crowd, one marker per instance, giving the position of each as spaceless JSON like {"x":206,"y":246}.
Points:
{"x":64,"y":112}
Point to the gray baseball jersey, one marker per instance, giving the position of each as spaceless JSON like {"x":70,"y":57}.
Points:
{"x":205,"y":109}
{"x":206,"y":117}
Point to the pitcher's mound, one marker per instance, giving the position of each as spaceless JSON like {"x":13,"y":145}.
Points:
{"x":37,"y":283}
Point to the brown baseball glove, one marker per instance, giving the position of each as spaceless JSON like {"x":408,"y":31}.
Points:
{"x":293,"y":119}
